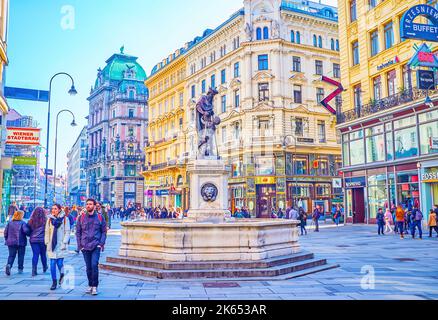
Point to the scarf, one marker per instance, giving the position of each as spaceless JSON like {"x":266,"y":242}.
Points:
{"x":56,"y":223}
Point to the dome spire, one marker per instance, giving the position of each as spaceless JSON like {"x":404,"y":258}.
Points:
{"x":122,"y":49}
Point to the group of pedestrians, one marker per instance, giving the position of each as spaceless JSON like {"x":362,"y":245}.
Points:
{"x":49,"y":235}
{"x":405,"y":221}
{"x":136,"y":212}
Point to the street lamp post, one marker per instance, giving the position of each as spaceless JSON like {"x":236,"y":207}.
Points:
{"x":73,"y":124}
{"x":72,"y":92}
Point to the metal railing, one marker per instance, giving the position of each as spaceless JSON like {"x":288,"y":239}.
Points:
{"x":401,"y":98}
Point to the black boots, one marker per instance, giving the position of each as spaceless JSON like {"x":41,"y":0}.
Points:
{"x":8,"y":270}
{"x":61,"y":279}
{"x":45,"y":268}
{"x":34,"y":271}
{"x":54,"y":285}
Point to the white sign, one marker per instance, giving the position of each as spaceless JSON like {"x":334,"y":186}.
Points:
{"x":23,"y":136}
{"x":434,"y":143}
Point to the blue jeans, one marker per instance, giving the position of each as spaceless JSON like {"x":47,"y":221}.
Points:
{"x":337,"y":220}
{"x":303,"y":228}
{"x":56,"y":263}
{"x":400,"y":225}
{"x":39,"y":249}
{"x":92,"y":262}
{"x":417,"y":224}
{"x":380,"y":228}
{"x":13,"y":251}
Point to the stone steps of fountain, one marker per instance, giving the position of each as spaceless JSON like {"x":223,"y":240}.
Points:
{"x":164,"y":265}
{"x":284,"y":271}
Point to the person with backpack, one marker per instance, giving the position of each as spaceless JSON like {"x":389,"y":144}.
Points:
{"x":91,"y":233}
{"x":15,"y":238}
{"x":380,"y":218}
{"x":432,"y":223}
{"x":37,"y":229}
{"x":303,"y":220}
{"x":56,"y":238}
{"x":417,"y":220}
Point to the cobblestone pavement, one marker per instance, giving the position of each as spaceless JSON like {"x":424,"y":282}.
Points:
{"x":372,"y":268}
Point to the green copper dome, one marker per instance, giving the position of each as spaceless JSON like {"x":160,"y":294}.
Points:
{"x":121,"y":67}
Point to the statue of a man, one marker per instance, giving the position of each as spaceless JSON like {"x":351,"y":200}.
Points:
{"x":206,"y":123}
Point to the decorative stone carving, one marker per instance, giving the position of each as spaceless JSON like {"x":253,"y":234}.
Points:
{"x":209,"y":192}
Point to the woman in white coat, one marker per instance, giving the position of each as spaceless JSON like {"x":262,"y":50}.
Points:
{"x":56,"y":239}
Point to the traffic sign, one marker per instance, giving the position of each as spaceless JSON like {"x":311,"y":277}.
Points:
{"x":48,"y":172}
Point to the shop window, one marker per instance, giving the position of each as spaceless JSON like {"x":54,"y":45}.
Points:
{"x":323,"y":167}
{"x":323,"y":191}
{"x":264,"y":166}
{"x":357,"y":154}
{"x":408,"y":189}
{"x":428,"y":132}
{"x":301,"y":165}
{"x":406,"y":143}
{"x":377,"y":194}
{"x":375,"y":146}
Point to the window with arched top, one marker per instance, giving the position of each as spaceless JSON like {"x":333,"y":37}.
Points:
{"x":332,"y":44}
{"x":315,"y":44}
{"x":298,"y":37}
{"x":265,"y":33}
{"x":259,"y":34}
{"x":337,"y":45}
{"x":292,"y":36}
{"x":320,"y":41}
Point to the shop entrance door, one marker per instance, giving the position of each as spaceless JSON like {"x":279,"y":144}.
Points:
{"x":359,"y":205}
{"x":266,"y":199}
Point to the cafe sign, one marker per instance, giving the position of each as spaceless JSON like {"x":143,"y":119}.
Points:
{"x":411,"y":30}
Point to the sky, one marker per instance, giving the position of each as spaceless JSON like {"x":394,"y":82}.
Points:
{"x":77,"y":36}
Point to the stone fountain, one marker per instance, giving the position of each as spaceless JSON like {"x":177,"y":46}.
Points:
{"x":206,"y":244}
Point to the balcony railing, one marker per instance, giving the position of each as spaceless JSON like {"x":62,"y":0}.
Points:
{"x":398,"y":99}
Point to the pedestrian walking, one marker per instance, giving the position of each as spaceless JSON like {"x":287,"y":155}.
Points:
{"x":400,"y":218}
{"x":432,"y":223}
{"x":380,"y":218}
{"x":315,"y":217}
{"x":15,"y":238}
{"x":337,"y":215}
{"x":388,"y":221}
{"x":37,"y":230}
{"x":101,"y":210}
{"x":57,"y":237}
{"x":91,"y":233}
{"x":303,"y":220}
{"x":417,"y":220}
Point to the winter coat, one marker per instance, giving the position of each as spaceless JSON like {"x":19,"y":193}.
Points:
{"x":380,"y":218}
{"x":399,"y":215}
{"x":63,"y":237}
{"x":388,"y":217}
{"x":294,"y":214}
{"x":418,"y":215}
{"x":15,"y":233}
{"x":90,"y":232}
{"x":37,"y":234}
{"x":432,"y":220}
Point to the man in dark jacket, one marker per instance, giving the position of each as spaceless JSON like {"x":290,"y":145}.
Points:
{"x":316,"y":215}
{"x":91,"y":237}
{"x":380,"y":218}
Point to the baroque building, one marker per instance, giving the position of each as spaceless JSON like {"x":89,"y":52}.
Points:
{"x":266,"y":61}
{"x":117,"y":132}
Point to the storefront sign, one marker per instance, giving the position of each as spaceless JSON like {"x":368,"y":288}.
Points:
{"x":351,"y":183}
{"x":306,"y":140}
{"x":23,"y":136}
{"x":424,"y":57}
{"x":151,"y":183}
{"x":162,"y":193}
{"x":425,"y":79}
{"x":389,"y":63}
{"x":24,"y":161}
{"x":430,"y":175}
{"x":265,"y":180}
{"x":411,"y":30}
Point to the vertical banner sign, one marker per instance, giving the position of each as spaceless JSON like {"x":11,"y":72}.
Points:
{"x":411,"y":30}
{"x":333,"y":95}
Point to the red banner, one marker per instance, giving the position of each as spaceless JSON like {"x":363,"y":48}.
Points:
{"x":23,"y":136}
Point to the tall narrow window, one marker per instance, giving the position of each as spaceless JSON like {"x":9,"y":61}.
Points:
{"x":298,"y":37}
{"x":263,"y":91}
{"x":320,"y":41}
{"x":319,"y":67}
{"x":263,"y":62}
{"x":236,"y":70}
{"x":223,"y":76}
{"x":259,"y":34}
{"x":296,"y":64}
{"x":299,"y":127}
{"x":292,"y":36}
{"x":321,"y":132}
{"x":213,"y":81}
{"x":392,"y":83}
{"x":389,"y":35}
{"x":224,"y":103}
{"x":357,"y":96}
{"x":337,"y":45}
{"x":319,"y":94}
{"x":203,"y":86}
{"x":297,"y":94}
{"x":377,"y":88}
{"x":237,"y":98}
{"x":374,"y":38}
{"x":355,"y":49}
{"x":353,"y":15}
{"x":265,"y":33}
{"x":193,"y":91}
{"x":315,"y":42}
{"x":336,"y":70}
{"x":332,"y":44}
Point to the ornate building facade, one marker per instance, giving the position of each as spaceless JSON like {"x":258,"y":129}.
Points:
{"x":117,"y":132}
{"x":386,"y":125}
{"x":266,"y":61}
{"x":76,"y":170}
